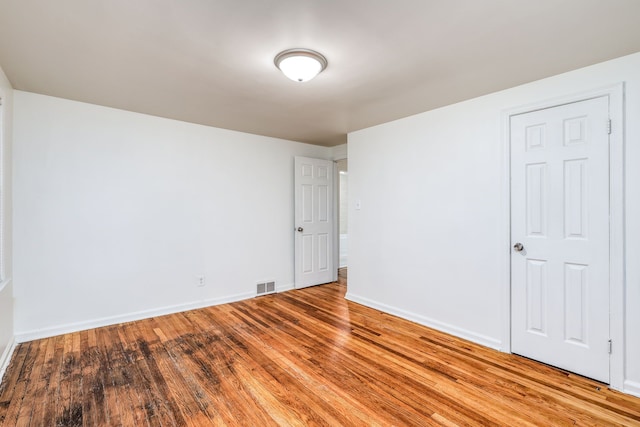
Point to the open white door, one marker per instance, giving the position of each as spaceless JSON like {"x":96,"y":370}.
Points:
{"x":560,"y":236}
{"x":314,"y":226}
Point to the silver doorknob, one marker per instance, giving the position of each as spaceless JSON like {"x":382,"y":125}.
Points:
{"x":300,"y":229}
{"x":518,"y":247}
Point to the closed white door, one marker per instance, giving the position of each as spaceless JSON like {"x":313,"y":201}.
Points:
{"x":560,"y":236}
{"x":314,"y":226}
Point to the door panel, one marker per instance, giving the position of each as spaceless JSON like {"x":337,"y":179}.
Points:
{"x":575,"y":190}
{"x":560,"y":214}
{"x":536,"y":211}
{"x":313,"y":222}
{"x":536,"y":296}
{"x":576,"y":298}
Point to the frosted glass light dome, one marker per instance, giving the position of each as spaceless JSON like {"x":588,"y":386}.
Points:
{"x":300,"y":65}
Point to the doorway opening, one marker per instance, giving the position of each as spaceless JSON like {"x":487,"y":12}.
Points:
{"x":315,"y":223}
{"x":343,"y":230}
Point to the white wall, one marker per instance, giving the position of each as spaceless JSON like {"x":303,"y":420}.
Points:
{"x":427,"y":242}
{"x":116,"y":213}
{"x":6,"y":291}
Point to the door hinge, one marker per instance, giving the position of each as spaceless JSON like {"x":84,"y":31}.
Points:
{"x":610,"y":346}
{"x":609,"y":127}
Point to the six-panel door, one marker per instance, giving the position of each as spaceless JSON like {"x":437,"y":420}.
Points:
{"x":559,"y":213}
{"x":313,"y":221}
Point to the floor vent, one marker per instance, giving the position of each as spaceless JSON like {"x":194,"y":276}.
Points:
{"x":266,"y":288}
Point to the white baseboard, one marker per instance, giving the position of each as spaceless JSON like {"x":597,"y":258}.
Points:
{"x":632,"y":388}
{"x":5,"y":358}
{"x":286,"y":288}
{"x":431,"y":323}
{"x":24,"y":336}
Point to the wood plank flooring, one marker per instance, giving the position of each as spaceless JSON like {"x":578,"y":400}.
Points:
{"x":300,"y":358}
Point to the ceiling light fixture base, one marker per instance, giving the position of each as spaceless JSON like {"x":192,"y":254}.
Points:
{"x":300,"y":64}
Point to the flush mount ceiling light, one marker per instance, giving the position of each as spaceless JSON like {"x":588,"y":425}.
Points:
{"x":300,"y":65}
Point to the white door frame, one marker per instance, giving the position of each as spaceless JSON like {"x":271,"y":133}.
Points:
{"x":616,"y":225}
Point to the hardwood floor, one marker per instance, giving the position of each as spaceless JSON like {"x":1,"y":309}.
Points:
{"x":305,"y":357}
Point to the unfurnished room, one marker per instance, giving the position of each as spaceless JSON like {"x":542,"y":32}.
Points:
{"x":319,"y":213}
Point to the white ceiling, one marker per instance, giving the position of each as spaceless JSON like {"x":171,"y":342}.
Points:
{"x":211,"y":61}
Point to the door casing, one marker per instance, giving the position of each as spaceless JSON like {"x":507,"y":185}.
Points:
{"x":616,"y":225}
